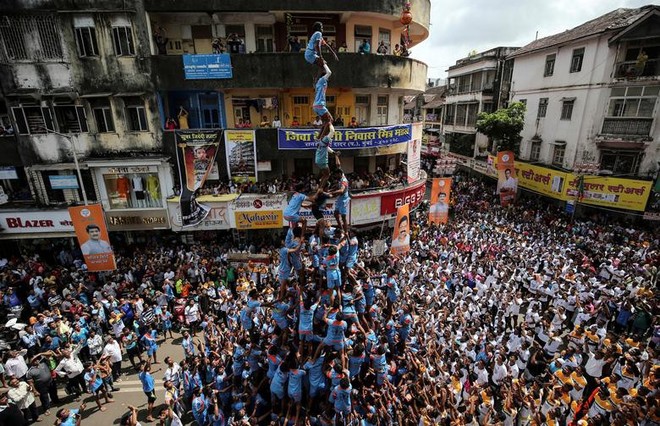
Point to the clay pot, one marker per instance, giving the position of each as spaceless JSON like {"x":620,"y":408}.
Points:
{"x":406,"y":17}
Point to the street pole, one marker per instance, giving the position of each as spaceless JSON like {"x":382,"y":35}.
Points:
{"x":75,"y":160}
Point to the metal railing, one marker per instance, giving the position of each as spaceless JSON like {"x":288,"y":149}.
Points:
{"x":634,"y":69}
{"x":627,"y":126}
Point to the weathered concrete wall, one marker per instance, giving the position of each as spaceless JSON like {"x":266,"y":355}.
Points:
{"x":277,"y":70}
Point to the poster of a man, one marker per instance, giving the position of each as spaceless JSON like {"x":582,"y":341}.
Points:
{"x":401,"y":234}
{"x":439,"y":210}
{"x":95,"y":245}
{"x":200,"y":165}
{"x":510,"y":183}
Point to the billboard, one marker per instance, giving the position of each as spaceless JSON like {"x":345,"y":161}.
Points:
{"x":507,"y":183}
{"x":401,"y":231}
{"x":349,"y":138}
{"x":92,"y":234}
{"x":207,"y":67}
{"x":195,"y":154}
{"x":241,"y":153}
{"x":252,"y":211}
{"x":440,"y":195}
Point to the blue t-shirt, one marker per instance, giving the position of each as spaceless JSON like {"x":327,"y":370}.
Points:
{"x":147,"y":381}
{"x":344,"y":195}
{"x":295,"y":203}
{"x":319,"y":93}
{"x":315,"y":370}
{"x":285,"y":265}
{"x":314,"y":41}
{"x":342,"y":399}
{"x":306,"y":317}
{"x":98,"y":381}
{"x":295,"y":381}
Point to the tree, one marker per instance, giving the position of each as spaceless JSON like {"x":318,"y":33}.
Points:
{"x":503,"y":126}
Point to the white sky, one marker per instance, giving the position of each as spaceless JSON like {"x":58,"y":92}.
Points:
{"x":460,"y":26}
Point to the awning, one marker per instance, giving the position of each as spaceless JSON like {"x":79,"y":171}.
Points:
{"x":96,"y":95}
{"x":568,"y":99}
{"x":34,"y":95}
{"x":558,"y":143}
{"x":622,"y":145}
{"x":128,"y":94}
{"x":436,"y":103}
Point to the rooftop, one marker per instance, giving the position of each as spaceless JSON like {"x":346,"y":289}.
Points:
{"x":612,"y":21}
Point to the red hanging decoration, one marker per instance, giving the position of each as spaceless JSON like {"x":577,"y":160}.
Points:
{"x":406,"y":14}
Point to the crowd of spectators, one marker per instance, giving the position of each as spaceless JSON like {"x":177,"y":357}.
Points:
{"x":503,"y":316}
{"x":359,"y":181}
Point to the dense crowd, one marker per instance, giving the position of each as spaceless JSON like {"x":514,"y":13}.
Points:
{"x":359,"y":181}
{"x":510,"y":316}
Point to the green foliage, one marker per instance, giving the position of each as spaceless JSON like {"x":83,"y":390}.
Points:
{"x":504,"y":126}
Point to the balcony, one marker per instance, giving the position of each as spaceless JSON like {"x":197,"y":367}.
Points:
{"x":637,"y":127}
{"x":421,"y":8}
{"x":289,"y":70}
{"x":632,"y":70}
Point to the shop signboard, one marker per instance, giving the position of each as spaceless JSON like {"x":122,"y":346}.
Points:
{"x":32,"y":222}
{"x":207,"y":67}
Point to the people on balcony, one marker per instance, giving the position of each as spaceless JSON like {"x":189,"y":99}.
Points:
{"x":365,"y":47}
{"x":383,"y":49}
{"x":276,"y":122}
{"x":294,"y":44}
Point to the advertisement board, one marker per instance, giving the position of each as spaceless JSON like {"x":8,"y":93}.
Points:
{"x":253,"y":211}
{"x":89,"y":224}
{"x":507,"y":183}
{"x":546,"y":181}
{"x":218,"y":217}
{"x":619,"y":193}
{"x":365,"y":210}
{"x":206,"y":67}
{"x":63,"y":181}
{"x":391,"y":201}
{"x":401,"y":231}
{"x":241,"y":153}
{"x":440,"y":196}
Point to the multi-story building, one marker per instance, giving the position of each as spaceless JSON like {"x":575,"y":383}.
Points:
{"x":102,"y":77}
{"x":592,"y":94}
{"x":477,"y":83}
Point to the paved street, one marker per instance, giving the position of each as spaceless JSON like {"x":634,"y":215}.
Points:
{"x":130,"y":392}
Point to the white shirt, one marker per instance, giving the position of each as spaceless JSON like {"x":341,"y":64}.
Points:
{"x":113,"y":350}
{"x":172,"y":374}
{"x":499,"y":373}
{"x":191,"y":312}
{"x":16,"y":367}
{"x":594,"y":367}
{"x":70,"y":367}
{"x":95,"y":344}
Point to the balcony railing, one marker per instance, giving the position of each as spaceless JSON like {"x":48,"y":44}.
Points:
{"x":288,"y":70}
{"x":633,"y":69}
{"x":627,"y":126}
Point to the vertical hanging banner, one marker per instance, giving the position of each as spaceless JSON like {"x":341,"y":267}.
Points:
{"x":195,"y":155}
{"x":440,"y":193}
{"x":241,"y":151}
{"x":92,"y":234}
{"x":507,"y":184}
{"x":401,"y":233}
{"x":414,"y":153}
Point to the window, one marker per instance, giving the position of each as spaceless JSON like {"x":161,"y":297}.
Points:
{"x":264,"y":38}
{"x":385,"y":37}
{"x":33,"y":119}
{"x":362,"y":32}
{"x":136,"y":117}
{"x":523,"y":101}
{"x":487,"y":107}
{"x":133,"y":190}
{"x":576,"y":60}
{"x":103,"y":115}
{"x":381,"y":111}
{"x":35,"y":37}
{"x":535,"y":150}
{"x":543,"y":107}
{"x":123,"y":40}
{"x":71,"y":118}
{"x":330,"y":100}
{"x":238,"y":29}
{"x":549,"y":65}
{"x":300,"y":100}
{"x":362,"y":99}
{"x":85,"y":36}
{"x":558,"y":154}
{"x":567,"y":109}
{"x":621,"y":162}
{"x":633,"y":101}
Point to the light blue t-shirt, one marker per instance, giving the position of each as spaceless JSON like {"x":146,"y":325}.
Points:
{"x":314,"y":41}
{"x":147,"y":381}
{"x":319,"y":93}
{"x":295,"y":204}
